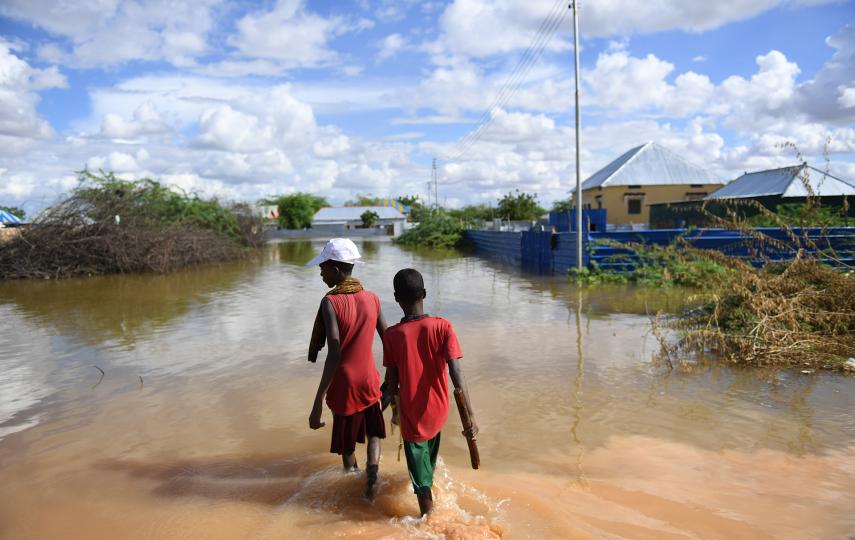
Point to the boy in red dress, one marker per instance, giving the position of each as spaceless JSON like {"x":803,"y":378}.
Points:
{"x":346,"y":321}
{"x":416,"y":352}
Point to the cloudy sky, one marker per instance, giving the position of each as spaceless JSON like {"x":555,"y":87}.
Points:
{"x":248,"y":99}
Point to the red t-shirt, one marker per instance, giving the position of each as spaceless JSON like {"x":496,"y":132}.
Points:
{"x":356,"y":383}
{"x":421,"y":349}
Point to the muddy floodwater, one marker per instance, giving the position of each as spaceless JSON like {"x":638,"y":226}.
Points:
{"x":198,"y":427}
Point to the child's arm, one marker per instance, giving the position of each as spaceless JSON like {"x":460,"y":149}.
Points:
{"x":381,"y":324}
{"x":389,"y":387}
{"x":333,"y":360}
{"x":459,"y":382}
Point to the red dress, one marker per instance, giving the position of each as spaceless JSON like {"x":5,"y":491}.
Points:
{"x":356,"y":382}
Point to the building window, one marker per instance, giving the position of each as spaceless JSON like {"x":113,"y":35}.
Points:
{"x":696,"y":185}
{"x":634,"y":187}
{"x":633,"y":206}
{"x":695,"y":195}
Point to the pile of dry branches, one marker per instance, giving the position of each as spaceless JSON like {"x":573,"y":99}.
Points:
{"x":799,"y":314}
{"x":109,"y":225}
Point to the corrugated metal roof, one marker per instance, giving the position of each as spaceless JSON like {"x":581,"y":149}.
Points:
{"x":650,"y":165}
{"x":786,"y":182}
{"x":353,"y":213}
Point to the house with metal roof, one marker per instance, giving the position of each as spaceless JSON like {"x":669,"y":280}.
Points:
{"x":642,"y":176}
{"x":768,"y":189}
{"x":796,"y":182}
{"x":339,"y":219}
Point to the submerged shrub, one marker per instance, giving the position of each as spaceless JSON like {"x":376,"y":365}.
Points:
{"x":437,"y":230}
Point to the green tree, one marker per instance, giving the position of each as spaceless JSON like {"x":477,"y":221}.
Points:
{"x":297,"y":209}
{"x":564,"y":205}
{"x":418,"y":210}
{"x":472,"y":213}
{"x":15,"y":211}
{"x":369,"y":218}
{"x":437,"y":230}
{"x":519,"y":206}
{"x":363,"y":200}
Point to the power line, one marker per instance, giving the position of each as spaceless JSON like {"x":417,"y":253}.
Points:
{"x":543,"y":36}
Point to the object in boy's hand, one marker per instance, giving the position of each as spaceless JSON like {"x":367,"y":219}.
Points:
{"x":466,"y":421}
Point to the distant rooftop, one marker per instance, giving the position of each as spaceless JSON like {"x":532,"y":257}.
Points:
{"x":352,"y":213}
{"x":785,"y":182}
{"x":650,"y":165}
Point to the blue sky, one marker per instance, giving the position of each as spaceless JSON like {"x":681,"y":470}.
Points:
{"x":248,"y":99}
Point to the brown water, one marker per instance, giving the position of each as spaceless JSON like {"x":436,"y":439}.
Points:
{"x":198,"y":429}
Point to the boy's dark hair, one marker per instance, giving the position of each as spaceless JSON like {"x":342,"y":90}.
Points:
{"x":409,"y":285}
{"x":346,"y":268}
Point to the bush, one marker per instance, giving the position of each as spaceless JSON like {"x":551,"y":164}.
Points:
{"x":369,"y":218}
{"x":418,"y":210}
{"x":297,"y":210}
{"x":657,"y":266}
{"x":799,"y":314}
{"x":809,"y":214}
{"x":474,"y":213}
{"x":108,"y":225}
{"x":437,"y":230}
{"x":519,"y":206}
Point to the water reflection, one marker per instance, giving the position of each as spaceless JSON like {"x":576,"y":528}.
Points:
{"x":577,"y":391}
{"x":297,"y":252}
{"x":121,"y":308}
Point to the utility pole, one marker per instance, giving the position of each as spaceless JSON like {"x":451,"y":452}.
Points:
{"x":578,"y":197}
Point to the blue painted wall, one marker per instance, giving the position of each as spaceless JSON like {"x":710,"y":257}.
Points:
{"x":545,"y":252}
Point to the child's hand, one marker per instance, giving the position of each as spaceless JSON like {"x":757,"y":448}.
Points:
{"x":471,"y":433}
{"x":315,"y":418}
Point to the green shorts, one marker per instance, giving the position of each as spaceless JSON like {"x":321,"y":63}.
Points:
{"x":421,"y":461}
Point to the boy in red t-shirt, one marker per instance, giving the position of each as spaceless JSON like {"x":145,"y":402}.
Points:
{"x":346,"y":321}
{"x":415,"y":353}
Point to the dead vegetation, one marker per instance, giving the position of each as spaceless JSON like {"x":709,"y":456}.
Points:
{"x":109,"y":225}
{"x":800,"y":314}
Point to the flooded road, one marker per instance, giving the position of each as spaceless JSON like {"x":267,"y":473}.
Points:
{"x":198,"y":427}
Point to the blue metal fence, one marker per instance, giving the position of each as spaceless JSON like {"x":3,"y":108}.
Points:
{"x":593,"y":220}
{"x":501,"y":246}
{"x":545,"y":252}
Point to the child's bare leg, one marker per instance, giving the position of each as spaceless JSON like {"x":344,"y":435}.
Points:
{"x":425,"y":501}
{"x":349,"y":462}
{"x":373,"y":466}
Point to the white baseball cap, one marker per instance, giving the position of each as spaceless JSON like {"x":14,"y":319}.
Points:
{"x":338,"y":249}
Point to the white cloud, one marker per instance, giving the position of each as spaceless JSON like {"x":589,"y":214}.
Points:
{"x":390,"y":46}
{"x":829,"y":96}
{"x":20,"y":123}
{"x":146,"y":121}
{"x":287,"y":34}
{"x":227,"y":129}
{"x":118,"y":162}
{"x":469,"y":26}
{"x":620,"y":81}
{"x":846,"y":97}
{"x":449,"y":90}
{"x":109,"y":32}
{"x":331,"y":146}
